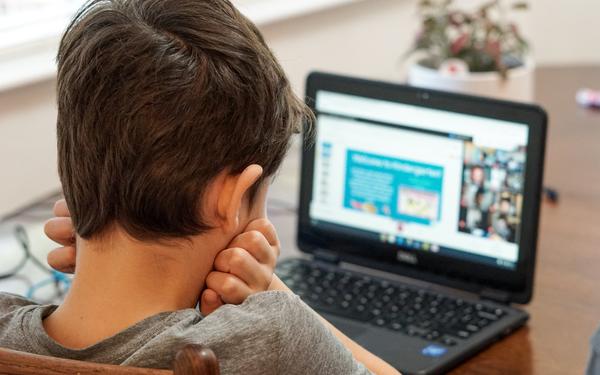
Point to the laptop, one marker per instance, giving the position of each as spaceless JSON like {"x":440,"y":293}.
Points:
{"x":418,"y":216}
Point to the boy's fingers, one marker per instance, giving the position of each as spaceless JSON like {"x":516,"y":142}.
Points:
{"x":209,"y":302}
{"x":61,"y":209}
{"x":240,"y":263}
{"x":267,"y":229}
{"x":62,"y":259}
{"x":60,"y":229}
{"x":257,"y":245}
{"x":231,"y":289}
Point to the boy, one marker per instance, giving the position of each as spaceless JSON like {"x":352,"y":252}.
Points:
{"x":172,"y":117}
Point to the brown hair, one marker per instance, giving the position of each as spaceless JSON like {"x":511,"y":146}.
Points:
{"x":157,"y":97}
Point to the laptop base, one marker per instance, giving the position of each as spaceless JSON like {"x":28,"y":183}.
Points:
{"x":385,"y":327}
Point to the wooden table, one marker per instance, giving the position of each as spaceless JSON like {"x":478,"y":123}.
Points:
{"x":565,"y":309}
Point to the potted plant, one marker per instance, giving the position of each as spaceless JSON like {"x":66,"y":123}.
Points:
{"x":478,"y":52}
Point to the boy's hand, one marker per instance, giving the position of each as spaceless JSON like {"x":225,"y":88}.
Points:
{"x":245,"y":268}
{"x":60,"y":229}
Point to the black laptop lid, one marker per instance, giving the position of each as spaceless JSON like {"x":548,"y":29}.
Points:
{"x":438,"y":186}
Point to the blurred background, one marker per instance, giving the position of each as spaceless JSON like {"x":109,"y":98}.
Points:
{"x":367,"y":38}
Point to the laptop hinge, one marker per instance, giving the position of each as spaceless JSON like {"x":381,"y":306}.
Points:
{"x":326,"y":256}
{"x":495,"y":295}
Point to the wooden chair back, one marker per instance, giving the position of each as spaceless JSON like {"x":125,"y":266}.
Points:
{"x":190,"y":360}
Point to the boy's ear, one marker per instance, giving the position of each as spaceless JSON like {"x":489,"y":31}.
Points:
{"x":231,"y":196}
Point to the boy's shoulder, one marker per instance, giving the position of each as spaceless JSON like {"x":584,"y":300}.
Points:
{"x":15,"y":314}
{"x":264,"y":305}
{"x":270,"y":333}
{"x":271,"y":313}
{"x":11,"y":302}
{"x":278,"y":331}
{"x":243,"y":335}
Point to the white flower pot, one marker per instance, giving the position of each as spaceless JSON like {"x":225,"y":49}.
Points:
{"x":518,"y":86}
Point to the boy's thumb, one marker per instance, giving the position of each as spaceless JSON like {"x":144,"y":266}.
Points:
{"x":209,"y":302}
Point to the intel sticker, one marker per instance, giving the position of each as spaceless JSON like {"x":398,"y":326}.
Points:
{"x":434,"y":351}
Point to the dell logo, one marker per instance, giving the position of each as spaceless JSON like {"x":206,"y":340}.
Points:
{"x":407,"y":257}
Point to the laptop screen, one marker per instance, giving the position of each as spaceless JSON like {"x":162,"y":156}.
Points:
{"x":422,"y":179}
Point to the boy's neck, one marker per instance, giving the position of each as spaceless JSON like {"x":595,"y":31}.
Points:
{"x":119,"y":282}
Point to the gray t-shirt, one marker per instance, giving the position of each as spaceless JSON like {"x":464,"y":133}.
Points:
{"x":270,"y":333}
{"x":594,"y":364}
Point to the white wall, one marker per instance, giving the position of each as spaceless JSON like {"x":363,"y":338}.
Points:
{"x":565,"y":31}
{"x":366,"y":39}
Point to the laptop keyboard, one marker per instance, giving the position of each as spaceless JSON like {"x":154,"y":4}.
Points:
{"x":397,"y":307}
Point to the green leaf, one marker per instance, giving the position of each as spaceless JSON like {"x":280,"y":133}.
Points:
{"x":520,"y":5}
{"x":487,"y":6}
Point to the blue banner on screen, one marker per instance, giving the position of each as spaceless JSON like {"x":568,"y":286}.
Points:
{"x":404,"y":190}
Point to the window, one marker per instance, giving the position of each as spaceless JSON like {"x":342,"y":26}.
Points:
{"x":30,"y":31}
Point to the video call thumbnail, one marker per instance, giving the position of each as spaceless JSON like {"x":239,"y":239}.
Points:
{"x":492,"y":192}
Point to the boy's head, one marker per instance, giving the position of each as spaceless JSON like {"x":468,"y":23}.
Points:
{"x":156,"y":100}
